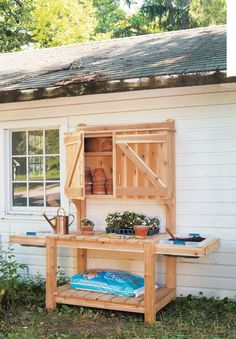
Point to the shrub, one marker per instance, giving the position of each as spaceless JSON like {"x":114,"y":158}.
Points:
{"x":10,"y":276}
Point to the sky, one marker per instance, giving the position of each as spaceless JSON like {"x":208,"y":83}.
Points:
{"x":133,"y":8}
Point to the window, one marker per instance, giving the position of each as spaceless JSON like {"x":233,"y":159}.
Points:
{"x":35,"y":163}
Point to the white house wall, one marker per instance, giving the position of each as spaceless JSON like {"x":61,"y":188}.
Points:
{"x":205,"y":170}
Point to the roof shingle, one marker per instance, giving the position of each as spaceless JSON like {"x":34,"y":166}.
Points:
{"x":169,"y":53}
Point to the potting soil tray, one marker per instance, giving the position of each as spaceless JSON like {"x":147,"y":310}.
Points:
{"x":187,"y":246}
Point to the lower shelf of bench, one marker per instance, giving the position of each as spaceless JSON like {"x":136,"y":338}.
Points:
{"x":66,"y":295}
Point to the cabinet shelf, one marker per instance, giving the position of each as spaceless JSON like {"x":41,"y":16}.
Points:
{"x":99,"y":196}
{"x":97,"y":154}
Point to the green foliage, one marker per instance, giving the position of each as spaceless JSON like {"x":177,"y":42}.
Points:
{"x":110,"y":17}
{"x":13,"y":18}
{"x":39,"y":23}
{"x":62,"y":22}
{"x":10,"y":277}
{"x":208,"y":12}
{"x":86,"y":222}
{"x":19,"y":288}
{"x":128,"y":219}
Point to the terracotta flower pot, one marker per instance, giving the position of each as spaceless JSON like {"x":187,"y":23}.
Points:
{"x":141,"y":231}
{"x":87,"y":229}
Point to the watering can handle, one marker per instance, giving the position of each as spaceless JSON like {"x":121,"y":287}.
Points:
{"x":72,"y":219}
{"x":61,"y":208}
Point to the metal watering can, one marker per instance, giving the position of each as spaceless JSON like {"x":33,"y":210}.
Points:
{"x":61,"y":222}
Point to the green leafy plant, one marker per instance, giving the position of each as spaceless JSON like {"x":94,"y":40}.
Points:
{"x":10,"y":276}
{"x":86,"y":222}
{"x":128,"y":219}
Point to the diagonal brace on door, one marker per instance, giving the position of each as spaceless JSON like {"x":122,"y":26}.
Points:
{"x":141,"y":165}
{"x":73,"y":167}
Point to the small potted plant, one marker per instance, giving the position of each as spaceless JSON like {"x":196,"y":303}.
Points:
{"x":148,"y":226}
{"x":87,"y":226}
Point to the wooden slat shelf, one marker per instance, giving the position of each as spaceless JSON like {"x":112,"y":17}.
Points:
{"x":97,"y":154}
{"x":66,"y":295}
{"x":99,"y":196}
{"x":27,"y":240}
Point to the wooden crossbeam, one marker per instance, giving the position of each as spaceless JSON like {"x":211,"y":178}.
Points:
{"x":141,"y":138}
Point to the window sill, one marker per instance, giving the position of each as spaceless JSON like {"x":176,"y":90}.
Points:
{"x":23,"y":216}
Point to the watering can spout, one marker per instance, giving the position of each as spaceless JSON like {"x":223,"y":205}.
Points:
{"x":50,"y":222}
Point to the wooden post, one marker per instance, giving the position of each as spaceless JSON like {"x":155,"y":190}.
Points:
{"x":171,"y":209}
{"x":51,"y":272}
{"x":170,"y":261}
{"x":81,"y":254}
{"x":171,"y":272}
{"x":149,"y":284}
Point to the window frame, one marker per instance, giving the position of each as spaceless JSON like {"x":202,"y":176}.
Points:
{"x":5,"y":134}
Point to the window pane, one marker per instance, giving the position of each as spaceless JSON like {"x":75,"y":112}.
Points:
{"x":19,"y":168}
{"x":52,"y":168}
{"x":52,"y":194}
{"x":35,"y":168}
{"x":52,"y":141}
{"x":19,"y":194}
{"x":18,"y":143}
{"x":35,"y":142}
{"x":36,"y":194}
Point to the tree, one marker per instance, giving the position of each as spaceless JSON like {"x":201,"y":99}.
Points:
{"x":110,"y":16}
{"x":208,"y":12}
{"x":62,"y":22}
{"x":13,"y":17}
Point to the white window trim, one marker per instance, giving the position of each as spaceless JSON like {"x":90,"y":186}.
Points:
{"x":6,"y":210}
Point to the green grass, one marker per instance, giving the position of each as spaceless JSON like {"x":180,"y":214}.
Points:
{"x":187,"y":317}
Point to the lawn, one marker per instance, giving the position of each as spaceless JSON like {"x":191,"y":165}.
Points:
{"x":188,"y":317}
{"x":23,"y":314}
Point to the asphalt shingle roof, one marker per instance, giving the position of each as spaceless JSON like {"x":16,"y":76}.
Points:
{"x":187,"y":51}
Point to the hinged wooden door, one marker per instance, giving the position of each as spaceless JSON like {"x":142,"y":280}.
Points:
{"x":74,"y":186}
{"x":142,"y":163}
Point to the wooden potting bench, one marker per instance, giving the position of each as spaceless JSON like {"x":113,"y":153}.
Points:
{"x":141,"y":165}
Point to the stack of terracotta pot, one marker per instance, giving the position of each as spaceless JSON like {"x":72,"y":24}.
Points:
{"x":88,"y":181}
{"x":99,"y":179}
{"x":109,"y":186}
{"x":107,"y":146}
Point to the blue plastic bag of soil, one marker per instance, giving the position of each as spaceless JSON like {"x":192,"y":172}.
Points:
{"x":113,"y":282}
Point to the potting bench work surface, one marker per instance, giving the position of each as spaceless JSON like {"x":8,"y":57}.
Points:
{"x":105,"y":241}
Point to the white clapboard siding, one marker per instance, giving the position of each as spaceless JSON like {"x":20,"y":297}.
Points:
{"x":212,"y":184}
{"x":205,"y":119}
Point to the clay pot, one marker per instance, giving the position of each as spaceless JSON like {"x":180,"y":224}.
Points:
{"x":141,"y":231}
{"x":109,"y":186}
{"x":99,"y":179}
{"x":88,"y":181}
{"x":107,"y":146}
{"x":87,"y":229}
{"x":99,"y":173}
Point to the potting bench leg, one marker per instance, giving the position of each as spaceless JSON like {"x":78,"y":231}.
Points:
{"x":81,"y":257}
{"x":51,"y":272}
{"x":81,"y":260}
{"x":149,"y":284}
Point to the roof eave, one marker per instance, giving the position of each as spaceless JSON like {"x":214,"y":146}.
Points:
{"x":78,"y":88}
